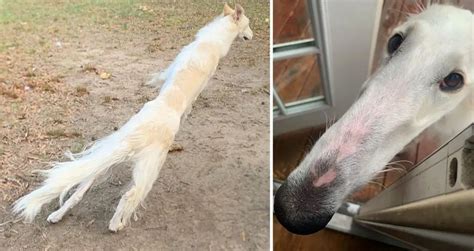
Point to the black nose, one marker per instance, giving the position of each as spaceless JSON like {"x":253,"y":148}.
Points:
{"x":246,"y":38}
{"x":300,"y":210}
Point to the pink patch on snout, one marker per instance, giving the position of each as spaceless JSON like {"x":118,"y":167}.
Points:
{"x":357,"y":131}
{"x":326,"y":178}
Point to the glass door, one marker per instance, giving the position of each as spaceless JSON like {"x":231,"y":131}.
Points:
{"x":298,"y":61}
{"x":319,"y":59}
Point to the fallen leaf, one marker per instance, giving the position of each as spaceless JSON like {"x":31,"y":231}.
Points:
{"x":105,"y":75}
{"x":175,"y":147}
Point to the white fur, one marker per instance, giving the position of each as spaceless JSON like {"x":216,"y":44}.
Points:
{"x":400,"y":101}
{"x":159,"y":118}
{"x":147,"y":167}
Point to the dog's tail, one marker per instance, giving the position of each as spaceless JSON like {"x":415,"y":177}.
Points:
{"x":154,"y":123}
{"x":63,"y":176}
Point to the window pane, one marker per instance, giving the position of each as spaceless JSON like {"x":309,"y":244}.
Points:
{"x":291,"y":21}
{"x":297,"y":78}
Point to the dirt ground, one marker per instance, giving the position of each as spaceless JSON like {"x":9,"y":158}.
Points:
{"x":73,"y":71}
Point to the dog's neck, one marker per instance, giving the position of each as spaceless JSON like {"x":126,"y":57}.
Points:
{"x":195,"y":64}
{"x":221,"y":32}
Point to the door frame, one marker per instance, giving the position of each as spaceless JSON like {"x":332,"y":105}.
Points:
{"x":345,"y":58}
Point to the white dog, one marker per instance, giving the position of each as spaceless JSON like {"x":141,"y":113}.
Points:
{"x":146,"y":138}
{"x":427,"y":79}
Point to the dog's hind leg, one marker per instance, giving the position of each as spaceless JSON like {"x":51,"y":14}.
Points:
{"x":148,"y":164}
{"x":75,"y":198}
{"x":64,"y":176}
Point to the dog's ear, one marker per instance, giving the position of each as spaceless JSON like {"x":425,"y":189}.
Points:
{"x":227,"y":10}
{"x":238,"y":13}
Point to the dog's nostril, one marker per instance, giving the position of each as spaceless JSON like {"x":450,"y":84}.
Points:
{"x":246,"y":38}
{"x":297,"y":218}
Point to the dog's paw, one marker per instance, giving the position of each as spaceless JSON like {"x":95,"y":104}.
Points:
{"x":116,"y":224}
{"x":55,"y":217}
{"x":118,"y":221}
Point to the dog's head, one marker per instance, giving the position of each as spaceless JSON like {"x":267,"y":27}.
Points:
{"x":239,"y":18}
{"x":427,"y":72}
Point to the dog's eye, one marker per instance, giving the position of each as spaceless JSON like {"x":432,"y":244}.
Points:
{"x":394,"y":43}
{"x":452,"y":82}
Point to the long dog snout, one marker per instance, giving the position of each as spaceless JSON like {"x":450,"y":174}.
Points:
{"x":303,"y":205}
{"x":300,"y":209}
{"x":399,"y":101}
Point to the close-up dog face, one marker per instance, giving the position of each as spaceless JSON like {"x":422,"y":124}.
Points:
{"x":426,"y":73}
{"x":242,"y":21}
{"x":438,"y":56}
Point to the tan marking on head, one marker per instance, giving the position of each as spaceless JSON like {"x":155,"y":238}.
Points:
{"x":227,"y":10}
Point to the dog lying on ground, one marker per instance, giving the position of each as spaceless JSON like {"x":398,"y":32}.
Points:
{"x":147,"y":137}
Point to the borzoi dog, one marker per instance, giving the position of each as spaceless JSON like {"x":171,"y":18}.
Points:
{"x":427,"y":78}
{"x":146,"y":138}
